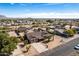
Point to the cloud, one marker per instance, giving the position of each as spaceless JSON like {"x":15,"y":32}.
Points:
{"x":12,"y":3}
{"x":22,"y":4}
{"x":52,"y":3}
{"x":49,"y":15}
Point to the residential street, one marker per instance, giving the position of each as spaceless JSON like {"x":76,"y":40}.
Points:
{"x":62,"y":50}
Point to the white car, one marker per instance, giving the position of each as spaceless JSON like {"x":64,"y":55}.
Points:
{"x":76,"y":47}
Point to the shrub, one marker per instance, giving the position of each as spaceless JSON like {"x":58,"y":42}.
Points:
{"x":70,"y":32}
{"x":74,"y":31}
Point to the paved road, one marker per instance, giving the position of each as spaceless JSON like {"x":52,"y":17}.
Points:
{"x":62,"y":50}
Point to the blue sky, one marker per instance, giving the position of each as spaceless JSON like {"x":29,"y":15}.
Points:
{"x":39,"y":9}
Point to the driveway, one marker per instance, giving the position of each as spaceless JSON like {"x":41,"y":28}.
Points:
{"x":39,"y":47}
{"x":62,"y":50}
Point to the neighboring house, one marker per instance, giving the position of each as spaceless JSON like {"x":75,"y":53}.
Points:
{"x":20,"y":30}
{"x":8,"y":24}
{"x":21,"y":34}
{"x":67,"y":27}
{"x":43,"y":29}
{"x":77,"y":29}
{"x":29,"y":22}
{"x":58,"y":26}
{"x":0,"y":24}
{"x":51,"y":27}
{"x":4,"y":24}
{"x":51,"y":30}
{"x":23,"y":29}
{"x":12,"y":34}
{"x":60,"y":32}
{"x":74,"y":27}
{"x":14,"y":24}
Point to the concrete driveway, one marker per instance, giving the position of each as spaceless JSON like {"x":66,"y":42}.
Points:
{"x":39,"y":47}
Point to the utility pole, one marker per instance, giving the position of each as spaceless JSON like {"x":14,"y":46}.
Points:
{"x":53,"y":34}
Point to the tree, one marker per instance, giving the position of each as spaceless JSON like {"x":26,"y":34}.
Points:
{"x":14,"y":39}
{"x":47,"y":38}
{"x":74,"y":30}
{"x":7,"y":44}
{"x":50,"y":21}
{"x":70,"y":32}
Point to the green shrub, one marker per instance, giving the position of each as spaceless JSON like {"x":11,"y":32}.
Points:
{"x":74,"y":31}
{"x":70,"y":32}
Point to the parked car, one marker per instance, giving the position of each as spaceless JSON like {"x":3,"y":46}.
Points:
{"x":76,"y":47}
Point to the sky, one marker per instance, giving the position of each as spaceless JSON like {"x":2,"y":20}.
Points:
{"x":40,"y":10}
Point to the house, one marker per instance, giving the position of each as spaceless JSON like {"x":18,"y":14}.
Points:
{"x":21,"y":34}
{"x":22,"y":29}
{"x":77,"y":29}
{"x":61,"y":33}
{"x":35,"y":36}
{"x":58,"y":26}
{"x":51,"y":27}
{"x":74,"y":27}
{"x":43,"y":29}
{"x":59,"y":30}
{"x":67,"y":27}
{"x":29,"y":22}
{"x":12,"y":34}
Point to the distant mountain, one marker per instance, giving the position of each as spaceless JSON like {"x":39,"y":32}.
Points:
{"x":2,"y":16}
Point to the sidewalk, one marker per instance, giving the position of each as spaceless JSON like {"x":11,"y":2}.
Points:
{"x":71,"y":38}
